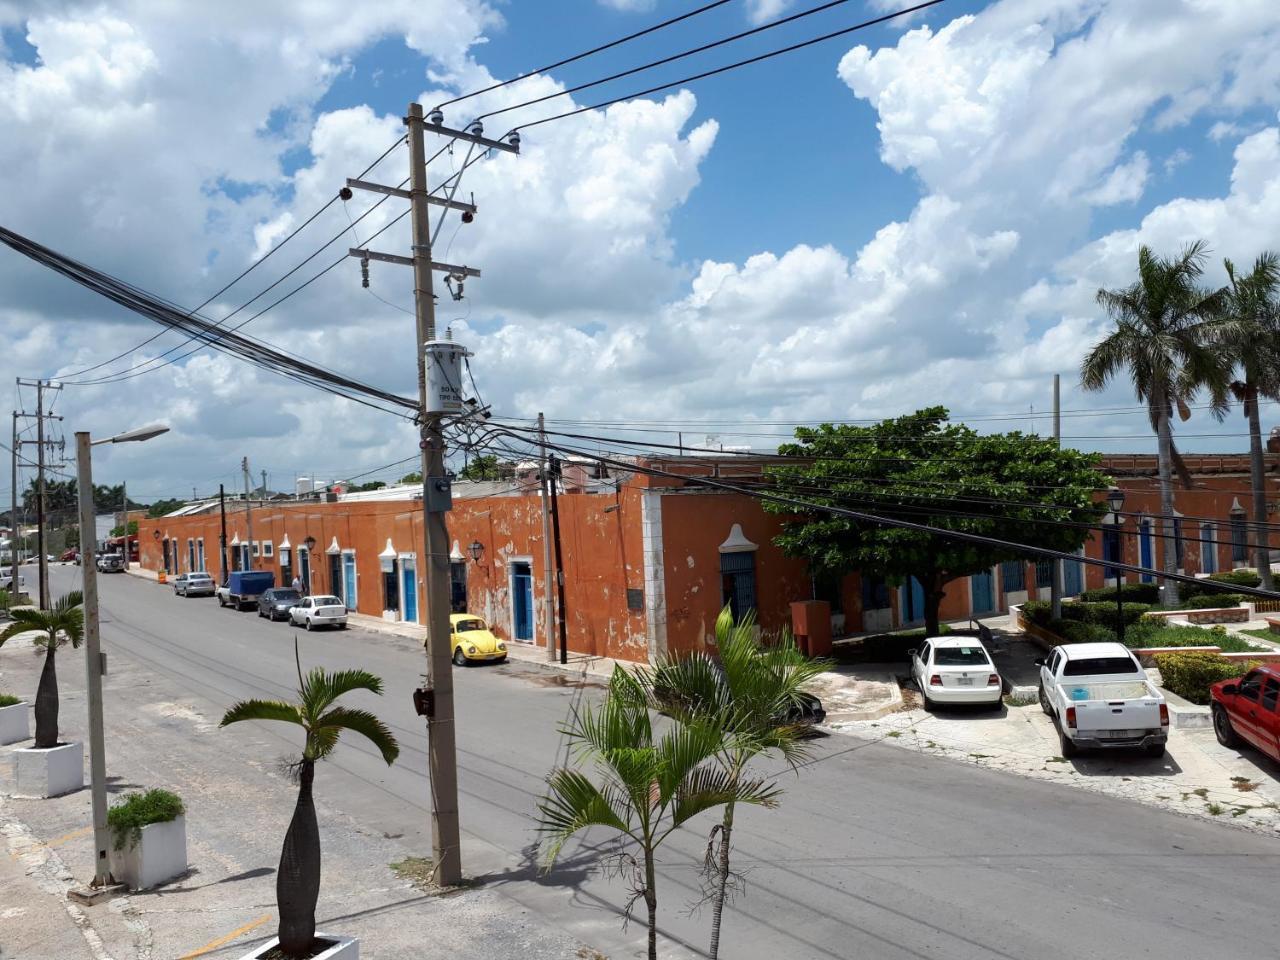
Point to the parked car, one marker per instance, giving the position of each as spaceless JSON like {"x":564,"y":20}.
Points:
{"x":110,"y":563}
{"x":70,"y":556}
{"x":194,"y":584}
{"x":807,"y":711}
{"x":6,"y":582}
{"x":322,"y":611}
{"x":1248,"y":710}
{"x":275,"y":604}
{"x":1100,"y":697}
{"x":243,"y":588}
{"x":472,"y":640}
{"x":955,"y":670}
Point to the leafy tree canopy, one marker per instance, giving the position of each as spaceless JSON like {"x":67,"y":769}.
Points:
{"x":481,"y":468}
{"x":133,"y":529}
{"x":362,"y":487}
{"x":924,"y":469}
{"x":411,"y":478}
{"x":161,"y":507}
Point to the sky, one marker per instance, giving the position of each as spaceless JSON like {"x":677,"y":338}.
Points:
{"x":916,"y":213}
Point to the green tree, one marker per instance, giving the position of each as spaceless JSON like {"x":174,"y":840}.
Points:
{"x":298,"y":877}
{"x":484,"y":467}
{"x":1165,"y":339}
{"x":161,"y":507}
{"x":63,"y":624}
{"x":748,"y":692}
{"x":1252,"y":336}
{"x":362,"y":487}
{"x":133,"y":529}
{"x":411,"y":478}
{"x":649,"y":785}
{"x":922,"y":469}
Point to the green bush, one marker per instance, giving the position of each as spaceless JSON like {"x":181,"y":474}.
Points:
{"x":1209,"y":601}
{"x":127,"y":819}
{"x":1190,"y":675}
{"x":9,"y":700}
{"x":1104,"y":614}
{"x":1155,"y":634}
{"x":1077,"y":631}
{"x":1213,"y":582}
{"x":1037,"y":611}
{"x":1135,"y":592}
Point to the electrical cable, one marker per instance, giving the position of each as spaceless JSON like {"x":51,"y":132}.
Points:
{"x":587,"y":53}
{"x":727,"y":67}
{"x":693,"y":51}
{"x":909,"y":525}
{"x":244,"y":273}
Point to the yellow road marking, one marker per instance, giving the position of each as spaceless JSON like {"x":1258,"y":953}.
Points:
{"x":237,"y":932}
{"x":55,"y":841}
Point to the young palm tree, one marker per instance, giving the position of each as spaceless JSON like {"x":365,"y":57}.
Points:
{"x":1164,"y":337}
{"x":649,"y":785}
{"x":1253,"y":339}
{"x":749,"y":693}
{"x":298,"y":878}
{"x":64,"y":623}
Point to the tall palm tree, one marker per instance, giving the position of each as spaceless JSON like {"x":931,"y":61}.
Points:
{"x":298,"y":878}
{"x":62,"y":624}
{"x":1164,"y":337}
{"x":749,"y":692}
{"x":1253,"y":339}
{"x":649,"y":784}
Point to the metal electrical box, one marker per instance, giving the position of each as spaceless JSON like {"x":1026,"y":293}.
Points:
{"x":444,"y":376}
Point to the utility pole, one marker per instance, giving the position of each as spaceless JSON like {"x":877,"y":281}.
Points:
{"x":42,"y":562}
{"x":248,"y":512}
{"x":437,"y":701}
{"x":1057,"y":585}
{"x":441,"y":734}
{"x":124,"y":519}
{"x":264,"y":483}
{"x":222,"y":538}
{"x":13,"y":511}
{"x":555,"y":526}
{"x":543,"y":477}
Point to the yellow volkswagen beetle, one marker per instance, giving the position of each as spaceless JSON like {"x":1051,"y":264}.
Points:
{"x":472,"y":640}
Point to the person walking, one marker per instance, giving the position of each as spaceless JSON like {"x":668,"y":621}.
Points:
{"x":297,"y":585}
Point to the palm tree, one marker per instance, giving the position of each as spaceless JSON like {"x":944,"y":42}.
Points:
{"x":749,"y":693}
{"x":65,"y":622}
{"x":1164,"y":337}
{"x":1253,"y":339}
{"x":649,"y":785}
{"x":298,"y":878}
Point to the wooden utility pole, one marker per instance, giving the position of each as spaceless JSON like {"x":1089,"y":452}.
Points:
{"x":553,"y":479}
{"x":248,"y":513}
{"x":13,"y":511}
{"x":544,"y":476}
{"x":222,"y":537}
{"x":1057,"y":584}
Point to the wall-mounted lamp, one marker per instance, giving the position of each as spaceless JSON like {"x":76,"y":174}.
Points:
{"x":311,"y":543}
{"x":477,"y":550}
{"x":155,"y":534}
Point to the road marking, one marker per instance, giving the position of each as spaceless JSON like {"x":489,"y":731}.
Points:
{"x":215,"y":944}
{"x":56,"y":841}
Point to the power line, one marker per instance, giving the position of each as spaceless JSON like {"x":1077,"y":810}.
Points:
{"x":586,"y":53}
{"x":731,"y":66}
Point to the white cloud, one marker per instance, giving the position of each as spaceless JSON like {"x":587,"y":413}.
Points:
{"x":1225,"y":130}
{"x":759,"y":11}
{"x":1176,"y":159}
{"x":628,"y":6}
{"x":1124,"y":184}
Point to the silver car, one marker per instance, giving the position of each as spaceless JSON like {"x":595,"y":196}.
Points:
{"x":195,"y":584}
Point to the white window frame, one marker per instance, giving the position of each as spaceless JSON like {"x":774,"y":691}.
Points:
{"x":268,"y":548}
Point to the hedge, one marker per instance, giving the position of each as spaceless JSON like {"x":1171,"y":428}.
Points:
{"x":1210,"y":601}
{"x":1213,"y":582}
{"x":1102,"y":614}
{"x":1129,"y":592}
{"x":1075,"y":631}
{"x":1190,"y":675}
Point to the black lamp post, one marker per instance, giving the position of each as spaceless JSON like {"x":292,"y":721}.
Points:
{"x":477,"y":550}
{"x":1115,"y":500}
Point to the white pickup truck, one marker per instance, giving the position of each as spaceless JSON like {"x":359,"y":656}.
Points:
{"x":1100,"y":697}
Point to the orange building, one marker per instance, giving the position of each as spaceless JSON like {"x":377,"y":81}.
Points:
{"x":650,"y":560}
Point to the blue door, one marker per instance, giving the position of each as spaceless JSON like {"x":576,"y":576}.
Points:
{"x":984,"y":595}
{"x":911,"y":596}
{"x":1072,"y":578}
{"x":522,"y":600}
{"x":409,"y":589}
{"x":1144,"y":550}
{"x":349,"y":579}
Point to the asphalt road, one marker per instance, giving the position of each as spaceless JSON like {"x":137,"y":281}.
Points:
{"x":875,"y":852}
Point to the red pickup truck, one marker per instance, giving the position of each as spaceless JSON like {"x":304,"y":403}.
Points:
{"x":1248,"y":710}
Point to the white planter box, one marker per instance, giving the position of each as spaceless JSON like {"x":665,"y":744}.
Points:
{"x":346,"y":948}
{"x":15,"y":723}
{"x":49,"y":773}
{"x":159,"y":855}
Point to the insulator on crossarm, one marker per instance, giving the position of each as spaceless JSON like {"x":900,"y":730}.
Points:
{"x":364,"y":272}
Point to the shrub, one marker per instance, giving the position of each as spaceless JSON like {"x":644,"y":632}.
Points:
{"x":139,"y":809}
{"x":1213,"y":582}
{"x":1037,"y":611}
{"x":1209,"y":601}
{"x":1190,"y":675}
{"x":9,"y":700}
{"x":1104,"y":614}
{"x":1077,"y":631}
{"x":1135,"y":592}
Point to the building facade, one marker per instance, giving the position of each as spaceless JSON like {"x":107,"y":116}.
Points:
{"x":649,"y":561}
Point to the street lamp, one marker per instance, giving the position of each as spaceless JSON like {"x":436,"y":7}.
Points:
{"x":1115,"y":500}
{"x":477,"y":550}
{"x":93,"y":659}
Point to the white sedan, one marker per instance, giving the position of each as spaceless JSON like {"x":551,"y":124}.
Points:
{"x":955,"y":670}
{"x":323,"y":611}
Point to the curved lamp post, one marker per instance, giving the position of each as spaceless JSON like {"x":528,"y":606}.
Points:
{"x":1115,"y":500}
{"x":92,"y":635}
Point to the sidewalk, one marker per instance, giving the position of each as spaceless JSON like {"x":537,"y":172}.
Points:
{"x":239,"y":802}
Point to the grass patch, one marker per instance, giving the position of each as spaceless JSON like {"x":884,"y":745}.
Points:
{"x":127,"y":819}
{"x":421,"y":873}
{"x":1056,"y":760}
{"x":1243,"y":784}
{"x":9,"y":700}
{"x":1264,"y":634}
{"x":1215,"y":809}
{"x":1201,"y":792}
{"x":894,"y":733}
{"x":1020,"y":700}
